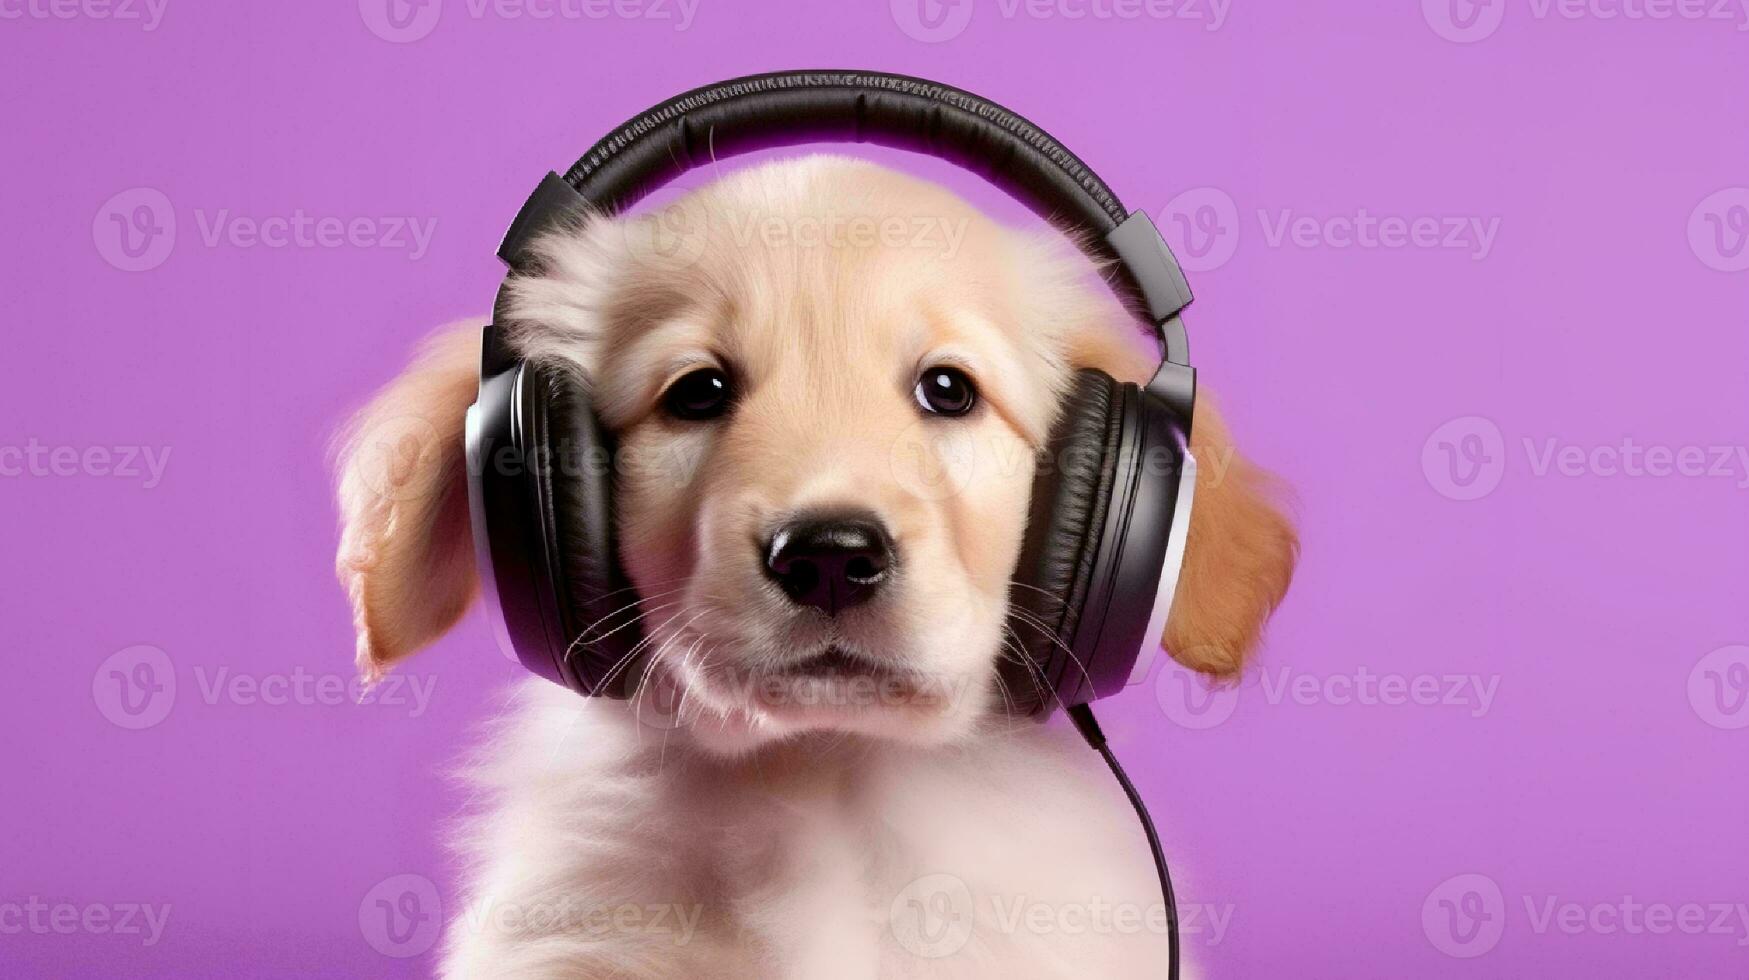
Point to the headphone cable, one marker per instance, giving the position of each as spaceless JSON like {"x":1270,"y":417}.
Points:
{"x":1088,"y":726}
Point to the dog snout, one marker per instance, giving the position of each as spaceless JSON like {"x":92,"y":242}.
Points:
{"x":830,"y":561}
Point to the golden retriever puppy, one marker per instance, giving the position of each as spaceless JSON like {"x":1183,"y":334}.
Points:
{"x":814,"y":343}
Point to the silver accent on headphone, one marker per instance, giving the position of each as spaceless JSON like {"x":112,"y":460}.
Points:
{"x":1170,"y":569}
{"x":476,"y":459}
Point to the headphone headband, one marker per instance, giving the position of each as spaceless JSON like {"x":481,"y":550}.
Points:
{"x":787,"y":108}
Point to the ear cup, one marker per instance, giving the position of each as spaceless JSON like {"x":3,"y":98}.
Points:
{"x":598,"y":609}
{"x":1071,"y":496}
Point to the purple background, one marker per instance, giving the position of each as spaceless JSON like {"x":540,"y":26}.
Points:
{"x":1609,"y":764}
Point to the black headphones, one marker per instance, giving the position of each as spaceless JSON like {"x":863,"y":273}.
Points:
{"x":1111,"y":502}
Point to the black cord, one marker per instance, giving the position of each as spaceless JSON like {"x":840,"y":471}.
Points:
{"x":1088,"y":726}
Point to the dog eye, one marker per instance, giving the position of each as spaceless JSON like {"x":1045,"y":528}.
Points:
{"x":946,"y":391}
{"x":698,"y":395}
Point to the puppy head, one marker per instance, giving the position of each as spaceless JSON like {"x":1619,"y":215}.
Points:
{"x":828,"y":384}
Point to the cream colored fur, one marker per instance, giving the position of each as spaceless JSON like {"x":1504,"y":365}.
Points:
{"x":916,"y":837}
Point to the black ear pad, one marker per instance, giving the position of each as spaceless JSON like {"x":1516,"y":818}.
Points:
{"x":598,"y":610}
{"x":1071,"y":495}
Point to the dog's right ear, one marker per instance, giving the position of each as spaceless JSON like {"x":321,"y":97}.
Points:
{"x":406,"y":553}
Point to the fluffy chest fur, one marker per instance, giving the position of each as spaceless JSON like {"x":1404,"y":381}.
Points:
{"x":603,"y":852}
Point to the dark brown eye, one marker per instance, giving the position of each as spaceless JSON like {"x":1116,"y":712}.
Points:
{"x":698,"y":395}
{"x":946,"y":391}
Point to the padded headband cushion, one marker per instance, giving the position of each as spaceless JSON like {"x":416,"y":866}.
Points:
{"x":717,"y":121}
{"x":786,"y":108}
{"x":595,"y":605}
{"x":1070,"y":493}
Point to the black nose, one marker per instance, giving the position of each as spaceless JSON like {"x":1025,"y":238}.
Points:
{"x":830,"y":562}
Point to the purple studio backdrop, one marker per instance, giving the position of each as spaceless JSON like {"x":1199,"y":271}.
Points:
{"x":1472,"y":276}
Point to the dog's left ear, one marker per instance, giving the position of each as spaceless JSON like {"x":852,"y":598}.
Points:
{"x":1241,"y":548}
{"x":406,"y":554}
{"x":1239,"y":556}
